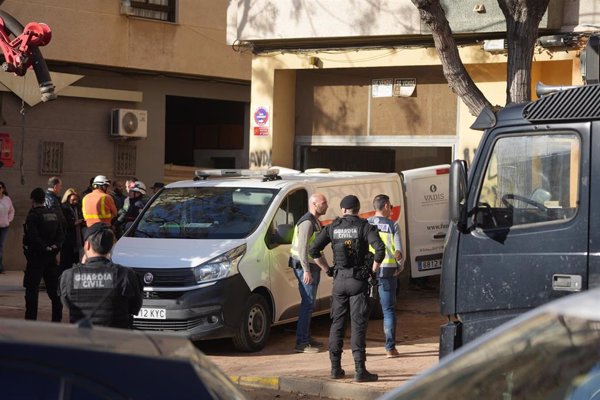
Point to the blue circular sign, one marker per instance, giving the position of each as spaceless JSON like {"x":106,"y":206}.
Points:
{"x":261,"y":116}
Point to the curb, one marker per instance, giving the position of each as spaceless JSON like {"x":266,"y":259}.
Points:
{"x":313,"y":387}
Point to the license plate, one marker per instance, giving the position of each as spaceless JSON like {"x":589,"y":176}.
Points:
{"x":152,"y":313}
{"x":429,"y":264}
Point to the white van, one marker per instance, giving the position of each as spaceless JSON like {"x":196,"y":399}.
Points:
{"x":427,"y":220}
{"x":213,"y":253}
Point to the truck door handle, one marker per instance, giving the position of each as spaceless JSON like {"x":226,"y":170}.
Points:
{"x":569,"y":283}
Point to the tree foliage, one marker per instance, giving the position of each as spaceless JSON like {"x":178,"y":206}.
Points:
{"x":522,"y":21}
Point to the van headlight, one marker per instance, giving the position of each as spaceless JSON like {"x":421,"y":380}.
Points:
{"x":220,"y":267}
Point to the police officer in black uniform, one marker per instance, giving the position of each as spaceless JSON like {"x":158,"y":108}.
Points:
{"x":350,"y":237}
{"x":104,"y":293}
{"x":42,"y":240}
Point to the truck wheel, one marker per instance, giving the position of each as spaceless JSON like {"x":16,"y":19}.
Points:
{"x":255,"y":325}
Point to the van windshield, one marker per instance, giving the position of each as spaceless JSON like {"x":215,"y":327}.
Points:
{"x":204,"y":213}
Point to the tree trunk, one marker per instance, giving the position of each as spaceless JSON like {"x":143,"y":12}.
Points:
{"x":458,"y":78}
{"x":522,"y":21}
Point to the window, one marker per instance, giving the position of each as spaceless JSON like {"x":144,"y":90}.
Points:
{"x":125,"y":159}
{"x":530,"y":179}
{"x":162,"y":10}
{"x":292,"y":208}
{"x":205,"y":213}
{"x":51,"y":160}
{"x":289,"y":212}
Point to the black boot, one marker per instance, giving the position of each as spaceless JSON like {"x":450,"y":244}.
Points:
{"x":336,"y":366}
{"x":362,"y":375}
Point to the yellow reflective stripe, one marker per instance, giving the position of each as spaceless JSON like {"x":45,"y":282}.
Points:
{"x":103,"y":207}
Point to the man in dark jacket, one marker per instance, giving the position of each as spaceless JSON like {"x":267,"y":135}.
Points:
{"x":42,"y":241}
{"x":52,"y":198}
{"x":104,"y":293}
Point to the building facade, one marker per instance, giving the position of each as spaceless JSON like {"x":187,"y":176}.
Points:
{"x":359,"y":85}
{"x":141,"y":85}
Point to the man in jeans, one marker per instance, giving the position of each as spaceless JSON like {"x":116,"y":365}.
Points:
{"x":306,"y":271}
{"x":391,"y":267}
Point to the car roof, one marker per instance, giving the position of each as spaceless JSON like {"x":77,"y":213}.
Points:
{"x":582,"y":306}
{"x":287,"y":179}
{"x":124,"y":341}
{"x":130,"y":364}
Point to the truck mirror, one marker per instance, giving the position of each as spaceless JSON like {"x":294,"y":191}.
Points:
{"x":458,"y":193}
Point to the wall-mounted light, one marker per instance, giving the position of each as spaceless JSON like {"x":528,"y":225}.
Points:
{"x":564,"y":41}
{"x":495,"y":45}
{"x":315,"y":62}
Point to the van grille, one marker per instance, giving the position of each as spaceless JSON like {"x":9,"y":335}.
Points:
{"x":167,"y":325}
{"x":165,"y":277}
{"x":163,"y":295}
{"x":582,"y":103}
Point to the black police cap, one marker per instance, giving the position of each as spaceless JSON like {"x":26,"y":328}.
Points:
{"x":38,"y":195}
{"x":94,"y":229}
{"x":350,"y":202}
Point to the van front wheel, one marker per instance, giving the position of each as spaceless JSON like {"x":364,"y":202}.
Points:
{"x":255,"y":325}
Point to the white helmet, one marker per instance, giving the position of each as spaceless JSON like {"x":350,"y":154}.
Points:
{"x":101,"y":180}
{"x":138,"y":186}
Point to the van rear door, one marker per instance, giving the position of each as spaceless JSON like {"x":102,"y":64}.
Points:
{"x":426,"y":217}
{"x":529,"y":211}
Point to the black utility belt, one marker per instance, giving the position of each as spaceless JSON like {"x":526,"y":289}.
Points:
{"x":359,"y":273}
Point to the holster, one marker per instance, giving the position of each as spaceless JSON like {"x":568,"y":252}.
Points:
{"x":361,"y":273}
{"x":295,"y":264}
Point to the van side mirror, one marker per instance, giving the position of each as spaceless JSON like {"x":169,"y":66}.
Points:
{"x":458,"y":193}
{"x":283,"y":234}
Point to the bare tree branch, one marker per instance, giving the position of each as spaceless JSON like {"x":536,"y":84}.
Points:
{"x":459,"y":80}
{"x":522,"y":21}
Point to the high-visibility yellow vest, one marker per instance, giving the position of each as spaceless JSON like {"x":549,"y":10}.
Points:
{"x":390,"y":249}
{"x":388,"y":239}
{"x":98,"y":207}
{"x":294,"y":250}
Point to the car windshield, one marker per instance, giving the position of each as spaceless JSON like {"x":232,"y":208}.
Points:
{"x":204,"y":213}
{"x":547,"y":357}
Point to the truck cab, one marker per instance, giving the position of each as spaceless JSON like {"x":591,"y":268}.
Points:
{"x":522,"y":228}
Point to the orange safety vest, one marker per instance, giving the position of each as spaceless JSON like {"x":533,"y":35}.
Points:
{"x":98,"y":207}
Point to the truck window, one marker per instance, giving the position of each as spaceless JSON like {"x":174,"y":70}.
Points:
{"x":530,"y":179}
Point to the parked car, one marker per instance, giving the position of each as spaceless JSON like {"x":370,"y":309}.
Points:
{"x":50,"y":361}
{"x":552,"y":352}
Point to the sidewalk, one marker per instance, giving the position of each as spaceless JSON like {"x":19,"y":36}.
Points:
{"x":278,"y":367}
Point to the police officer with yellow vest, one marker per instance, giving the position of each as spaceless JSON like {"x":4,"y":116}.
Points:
{"x":387,"y":275}
{"x":350,"y":237}
{"x":307,"y":272}
{"x":106,"y":294}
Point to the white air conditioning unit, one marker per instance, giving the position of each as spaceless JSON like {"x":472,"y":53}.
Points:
{"x":127,"y":123}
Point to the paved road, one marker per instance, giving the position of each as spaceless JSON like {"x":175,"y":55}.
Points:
{"x":279,"y":368}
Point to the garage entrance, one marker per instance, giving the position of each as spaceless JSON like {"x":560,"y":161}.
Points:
{"x":206,"y":133}
{"x":375,"y":159}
